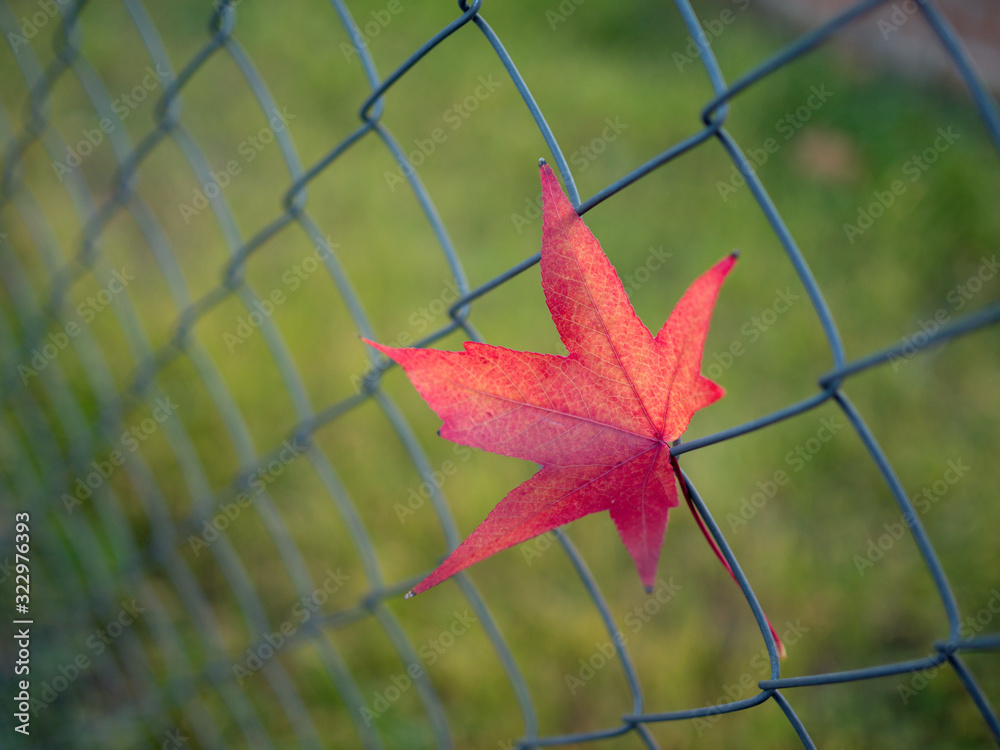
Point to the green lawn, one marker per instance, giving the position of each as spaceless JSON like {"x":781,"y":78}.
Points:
{"x":831,"y":134}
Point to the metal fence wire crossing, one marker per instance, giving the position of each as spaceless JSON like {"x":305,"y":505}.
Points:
{"x":36,"y":471}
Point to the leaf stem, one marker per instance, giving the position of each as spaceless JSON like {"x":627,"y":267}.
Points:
{"x":715,"y":547}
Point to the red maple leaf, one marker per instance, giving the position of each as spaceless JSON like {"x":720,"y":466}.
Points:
{"x":599,"y":421}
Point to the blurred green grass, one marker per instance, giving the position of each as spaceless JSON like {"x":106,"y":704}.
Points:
{"x":605,"y":61}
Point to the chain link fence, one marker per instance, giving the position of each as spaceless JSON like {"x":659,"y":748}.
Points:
{"x":167,"y":687}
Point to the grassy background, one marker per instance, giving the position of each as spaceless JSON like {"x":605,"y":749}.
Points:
{"x":604,"y":60}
